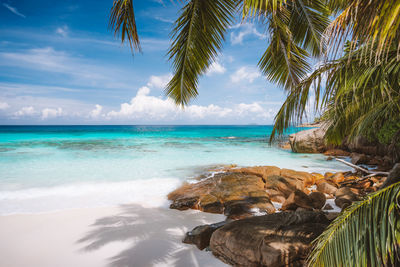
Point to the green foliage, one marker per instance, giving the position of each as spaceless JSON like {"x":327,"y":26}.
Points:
{"x":387,"y":133}
{"x":366,"y":234}
{"x":197,"y":38}
{"x":122,"y":21}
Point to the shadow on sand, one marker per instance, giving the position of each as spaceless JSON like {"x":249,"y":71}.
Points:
{"x":154,"y":236}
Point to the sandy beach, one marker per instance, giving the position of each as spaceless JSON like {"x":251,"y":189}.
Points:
{"x":128,"y":235}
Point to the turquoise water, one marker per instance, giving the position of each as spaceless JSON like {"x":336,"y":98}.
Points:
{"x":46,"y":168}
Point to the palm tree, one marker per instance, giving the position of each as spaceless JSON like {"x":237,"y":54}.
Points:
{"x":356,"y":85}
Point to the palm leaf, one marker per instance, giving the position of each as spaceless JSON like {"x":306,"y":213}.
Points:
{"x":122,"y":21}
{"x":197,"y":38}
{"x":366,"y":234}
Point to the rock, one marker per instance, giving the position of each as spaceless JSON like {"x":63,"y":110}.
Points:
{"x":297,"y":199}
{"x":200,"y":235}
{"x":393,"y":177}
{"x":336,"y":178}
{"x":318,"y":199}
{"x":308,"y":141}
{"x":342,"y":203}
{"x":274,"y":240}
{"x":306,"y":178}
{"x":347,"y":193}
{"x":327,"y":188}
{"x":244,"y":192}
{"x":359,"y":158}
{"x":328,"y":207}
{"x":344,"y":197}
{"x":335,"y":152}
{"x":279,"y":188}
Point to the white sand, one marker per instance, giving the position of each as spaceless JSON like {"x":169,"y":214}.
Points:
{"x":129,"y":235}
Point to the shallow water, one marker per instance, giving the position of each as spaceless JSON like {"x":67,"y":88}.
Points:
{"x":45,"y":168}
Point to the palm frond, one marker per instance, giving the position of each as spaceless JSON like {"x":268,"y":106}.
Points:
{"x":375,"y":22}
{"x":122,"y":22}
{"x":366,"y":234}
{"x":197,"y":38}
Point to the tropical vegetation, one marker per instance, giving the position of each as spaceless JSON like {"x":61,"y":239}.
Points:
{"x":355,"y":84}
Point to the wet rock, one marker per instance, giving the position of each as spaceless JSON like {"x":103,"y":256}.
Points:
{"x":200,"y":235}
{"x":274,"y":240}
{"x":318,"y":199}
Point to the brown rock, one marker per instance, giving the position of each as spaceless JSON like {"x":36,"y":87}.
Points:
{"x":306,"y":178}
{"x":328,"y":207}
{"x":297,"y":199}
{"x":280,"y":239}
{"x":318,"y":199}
{"x":336,"y":178}
{"x":327,"y":188}
{"x":359,"y":158}
{"x":279,"y":188}
{"x":347,"y":193}
{"x":200,"y":235}
{"x":342,"y":203}
{"x":308,"y":141}
{"x":216,"y":194}
{"x":335,"y":152}
{"x":317,"y":176}
{"x":344,"y":197}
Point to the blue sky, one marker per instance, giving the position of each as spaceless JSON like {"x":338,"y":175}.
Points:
{"x":59,"y":64}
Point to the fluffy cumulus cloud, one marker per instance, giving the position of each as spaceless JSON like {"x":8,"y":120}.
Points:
{"x":25,"y":111}
{"x":144,"y":106}
{"x":247,"y":74}
{"x":215,"y":68}
{"x":96,"y":112}
{"x":4,"y":105}
{"x":240,"y":31}
{"x":159,"y":81}
{"x":50,"y":113}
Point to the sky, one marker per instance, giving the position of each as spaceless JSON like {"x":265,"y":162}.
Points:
{"x":60,"y":64}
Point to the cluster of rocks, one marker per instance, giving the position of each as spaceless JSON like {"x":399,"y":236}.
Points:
{"x":360,"y":150}
{"x":254,"y":234}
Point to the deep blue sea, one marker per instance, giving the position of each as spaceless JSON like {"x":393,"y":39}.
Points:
{"x":46,"y":168}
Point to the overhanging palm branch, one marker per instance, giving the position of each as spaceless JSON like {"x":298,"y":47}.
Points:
{"x":373,"y":22}
{"x":197,"y":39}
{"x":366,"y":234}
{"x":122,"y":22}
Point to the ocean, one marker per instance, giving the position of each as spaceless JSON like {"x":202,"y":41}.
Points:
{"x":49,"y":168}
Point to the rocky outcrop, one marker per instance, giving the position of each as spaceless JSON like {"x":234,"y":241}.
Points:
{"x":237,"y":195}
{"x":201,"y":235}
{"x":308,"y":141}
{"x":280,"y":239}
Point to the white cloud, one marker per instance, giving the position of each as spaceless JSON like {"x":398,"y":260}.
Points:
{"x":14,"y":10}
{"x":151,"y":108}
{"x":63,"y":31}
{"x":215,"y":68}
{"x":245,"y":74}
{"x":159,"y":82}
{"x":95,"y":113}
{"x":49,"y":113}
{"x":4,"y":105}
{"x":245,"y":29}
{"x":25,"y":111}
